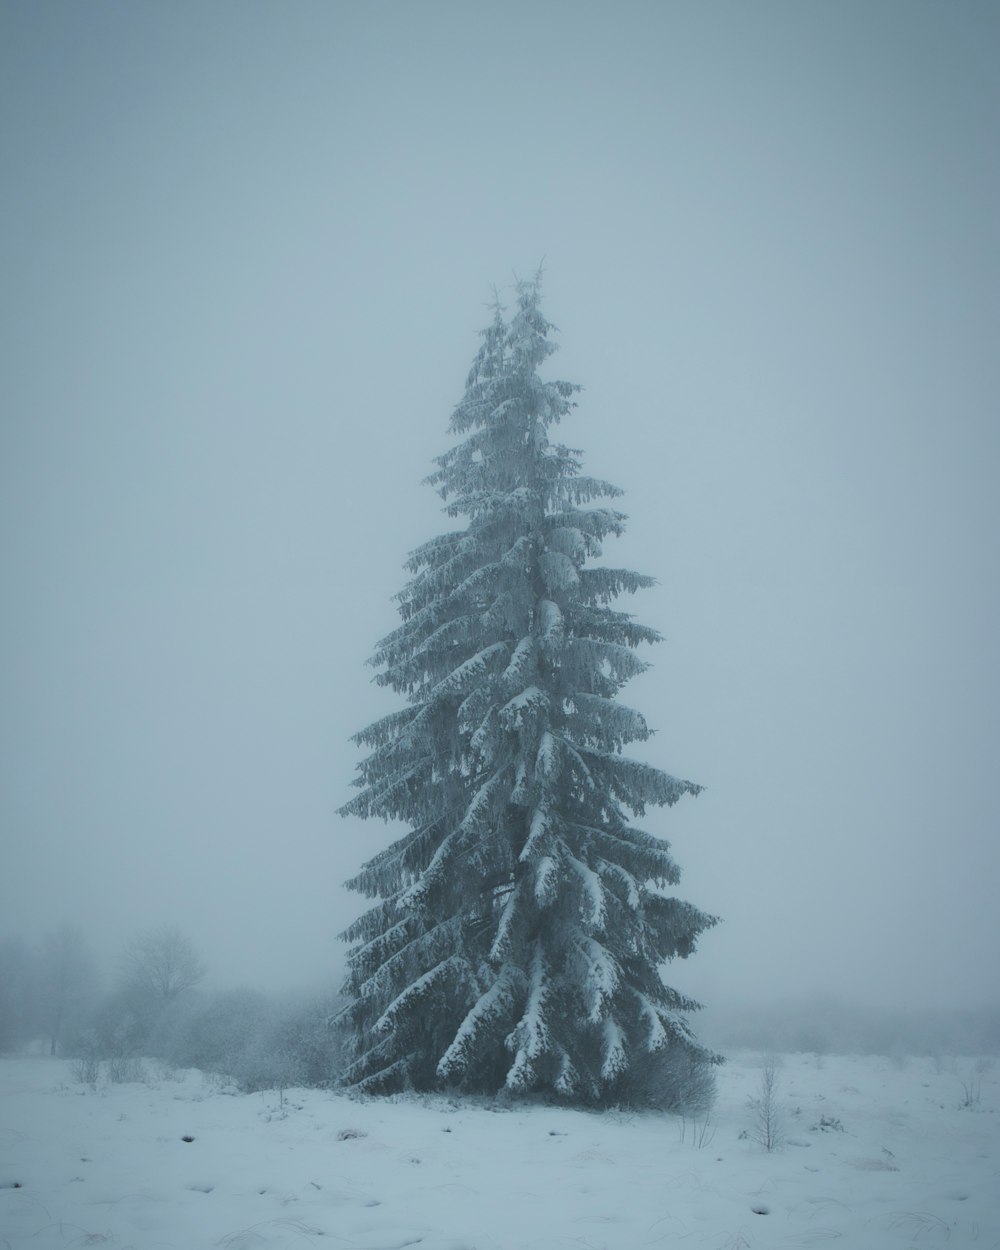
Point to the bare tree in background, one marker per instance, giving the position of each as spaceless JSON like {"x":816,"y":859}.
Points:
{"x":67,"y":983}
{"x":17,"y":989}
{"x":161,"y":964}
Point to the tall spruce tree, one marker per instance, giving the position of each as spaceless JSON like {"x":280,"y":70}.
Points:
{"x":523,"y":920}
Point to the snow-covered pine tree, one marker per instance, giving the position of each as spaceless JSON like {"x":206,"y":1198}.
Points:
{"x":523,"y":919}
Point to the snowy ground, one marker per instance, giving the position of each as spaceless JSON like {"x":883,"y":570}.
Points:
{"x":114,"y":1167}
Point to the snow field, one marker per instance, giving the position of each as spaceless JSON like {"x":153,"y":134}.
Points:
{"x":878,"y":1155}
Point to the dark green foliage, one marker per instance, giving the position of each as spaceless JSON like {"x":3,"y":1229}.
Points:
{"x":523,"y":919}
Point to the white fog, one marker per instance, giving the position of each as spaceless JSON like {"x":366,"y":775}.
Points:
{"x":248,"y":250}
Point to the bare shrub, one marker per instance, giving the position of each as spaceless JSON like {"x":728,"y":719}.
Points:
{"x":972,"y":1092}
{"x":766,"y":1127}
{"x":699,"y":1131}
{"x":86,"y":1069}
{"x":125,"y":1069}
{"x":674,"y":1078}
{"x":86,"y":1065}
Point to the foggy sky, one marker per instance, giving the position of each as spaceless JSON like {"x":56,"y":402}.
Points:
{"x":246,"y":251}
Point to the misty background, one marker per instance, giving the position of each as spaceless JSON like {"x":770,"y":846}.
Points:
{"x":246,"y":252}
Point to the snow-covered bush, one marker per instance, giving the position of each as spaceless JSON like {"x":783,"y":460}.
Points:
{"x":267,"y":1064}
{"x":671,"y":1079}
{"x":119,"y":1028}
{"x":212,"y":1032}
{"x":303,"y":1030}
{"x":244,"y":1036}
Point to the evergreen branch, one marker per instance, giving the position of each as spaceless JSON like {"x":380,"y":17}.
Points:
{"x":601,"y":585}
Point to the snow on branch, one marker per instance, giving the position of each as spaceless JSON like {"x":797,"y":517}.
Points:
{"x":551,"y":625}
{"x":500,"y":1000}
{"x":370,"y":955}
{"x":454,"y":967}
{"x":656,"y":1035}
{"x":385,"y":729}
{"x":530,"y":1038}
{"x":541,"y":824}
{"x":547,"y":757}
{"x":596,"y":523}
{"x":567,"y":1080}
{"x":436,"y":549}
{"x":546,"y":881}
{"x":526,"y":704}
{"x":485,"y":740}
{"x":396,"y":866}
{"x":615,"y":1056}
{"x":602,"y":976}
{"x":415,"y":895}
{"x":427,"y":947}
{"x":606,"y":722}
{"x":502,"y":947}
{"x":359,"y":1075}
{"x":519,"y":664}
{"x":480,"y":809}
{"x":569,"y":542}
{"x":621,"y":662}
{"x":637,"y":784}
{"x":674,"y":925}
{"x":473,"y":708}
{"x":601,"y":585}
{"x":390,"y":799}
{"x":616,"y":873}
{"x":593,"y":894}
{"x":577,"y":490}
{"x":374,"y":921}
{"x":558,"y":571}
{"x":607,"y":625}
{"x":468,"y":673}
{"x":579,"y":766}
{"x":517,"y":555}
